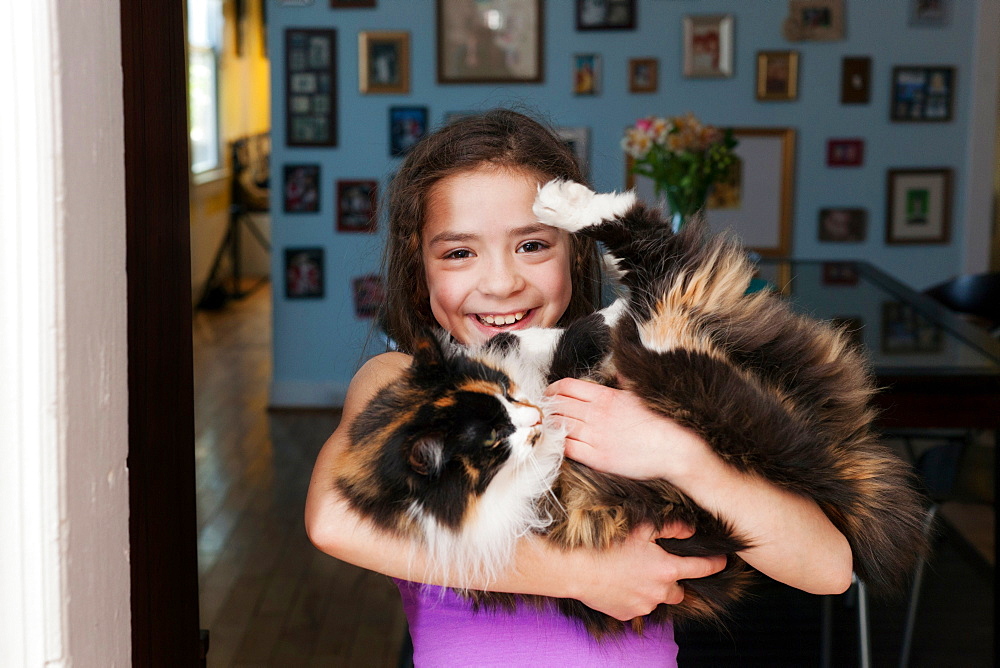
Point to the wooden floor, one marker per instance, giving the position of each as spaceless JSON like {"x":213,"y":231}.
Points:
{"x":269,"y":598}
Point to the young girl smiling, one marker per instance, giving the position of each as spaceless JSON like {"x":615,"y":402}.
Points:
{"x":466,"y":253}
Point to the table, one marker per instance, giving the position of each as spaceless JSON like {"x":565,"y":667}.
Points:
{"x":936,"y":369}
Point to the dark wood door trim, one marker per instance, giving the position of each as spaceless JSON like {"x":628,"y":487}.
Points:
{"x":162,"y":522}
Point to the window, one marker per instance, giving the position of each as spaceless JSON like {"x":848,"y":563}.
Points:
{"x":204,"y":27}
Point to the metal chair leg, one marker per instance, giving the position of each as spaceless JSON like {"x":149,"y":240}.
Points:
{"x":864,"y":626}
{"x":911,"y":608}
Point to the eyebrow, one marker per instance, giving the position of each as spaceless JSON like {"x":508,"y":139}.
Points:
{"x":462,"y":237}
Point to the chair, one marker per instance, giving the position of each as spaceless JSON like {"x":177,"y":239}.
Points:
{"x":976,"y":296}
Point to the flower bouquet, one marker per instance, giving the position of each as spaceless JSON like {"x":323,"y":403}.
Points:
{"x":683,"y":157}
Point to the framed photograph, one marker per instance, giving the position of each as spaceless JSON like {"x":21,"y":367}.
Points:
{"x":383,"y":62}
{"x":489,"y":41}
{"x":759,"y":204}
{"x":904,"y":331}
{"x":930,"y":13}
{"x":578,"y":141}
{"x":919,"y":206}
{"x":304,"y":273}
{"x":855,"y":80}
{"x":407,"y":125}
{"x":809,"y":20}
{"x":357,"y":206}
{"x":642,"y":75}
{"x":301,"y":188}
{"x":843,"y":225}
{"x":310,"y":87}
{"x":922,"y":94}
{"x":708,"y":46}
{"x":369,"y":295}
{"x":586,"y":74}
{"x":351,"y":4}
{"x":777,"y":75}
{"x":605,"y":14}
{"x":845,"y":152}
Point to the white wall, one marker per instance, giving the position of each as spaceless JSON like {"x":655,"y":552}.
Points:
{"x":64,"y":568}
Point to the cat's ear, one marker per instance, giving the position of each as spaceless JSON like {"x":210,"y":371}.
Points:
{"x":427,"y":352}
{"x":427,"y":455}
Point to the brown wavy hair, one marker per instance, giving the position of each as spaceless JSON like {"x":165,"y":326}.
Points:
{"x":500,"y":138}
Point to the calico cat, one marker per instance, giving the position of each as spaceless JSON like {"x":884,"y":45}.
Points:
{"x":459,"y":454}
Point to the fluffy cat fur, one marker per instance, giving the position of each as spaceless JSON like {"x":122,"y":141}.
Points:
{"x":458,"y":453}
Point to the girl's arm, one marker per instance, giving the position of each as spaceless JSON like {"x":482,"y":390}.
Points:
{"x":626,"y":581}
{"x":794,"y":541}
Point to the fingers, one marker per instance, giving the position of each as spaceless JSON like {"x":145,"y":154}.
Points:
{"x":675,"y":529}
{"x":583,"y":390}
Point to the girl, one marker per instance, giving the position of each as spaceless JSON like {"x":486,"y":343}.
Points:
{"x":466,"y":253}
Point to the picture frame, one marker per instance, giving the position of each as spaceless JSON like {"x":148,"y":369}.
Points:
{"x":814,"y":20}
{"x":301,"y":188}
{"x":368,"y":292}
{"x":930,"y":13}
{"x":311,"y":87}
{"x":922,"y":94}
{"x":357,"y":205}
{"x":352,"y":4}
{"x":760,"y":207}
{"x":845,"y":152}
{"x":513,"y":54}
{"x":777,"y":75}
{"x":407,"y":125}
{"x":605,"y":14}
{"x":905,"y":331}
{"x":855,"y":80}
{"x":383,"y":61}
{"x":918,"y":206}
{"x":708,"y":46}
{"x":839,"y":273}
{"x":586,"y":74}
{"x":643,"y":75}
{"x":842,"y":224}
{"x":577,"y":139}
{"x":304,"y":276}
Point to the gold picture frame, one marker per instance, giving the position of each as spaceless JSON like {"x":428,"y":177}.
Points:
{"x":642,"y":75}
{"x":512,"y":52}
{"x":777,"y":75}
{"x":383,"y":62}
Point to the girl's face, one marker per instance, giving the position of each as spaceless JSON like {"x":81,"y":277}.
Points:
{"x":490,"y":265}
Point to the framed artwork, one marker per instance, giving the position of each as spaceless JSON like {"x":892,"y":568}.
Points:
{"x":384,"y":62}
{"x":642,"y":75}
{"x":708,"y":46}
{"x":351,"y":4}
{"x":304,"y":273}
{"x":357,"y":205}
{"x":407,"y":125}
{"x":578,"y":141}
{"x":814,"y":20}
{"x":777,"y":75}
{"x":922,"y":93}
{"x":301,"y":188}
{"x":855,"y":80}
{"x":759,"y":206}
{"x":904,"y":331}
{"x":919,"y":206}
{"x":489,"y":41}
{"x":605,"y":14}
{"x":586,"y":74}
{"x":840,"y":273}
{"x":369,"y":295}
{"x":930,"y":13}
{"x":843,"y":224}
{"x":845,"y":152}
{"x":310,"y":87}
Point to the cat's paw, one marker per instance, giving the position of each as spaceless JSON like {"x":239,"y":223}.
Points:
{"x":572,"y":206}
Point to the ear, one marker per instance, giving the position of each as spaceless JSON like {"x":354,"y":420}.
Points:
{"x":427,"y":456}
{"x":427,"y":350}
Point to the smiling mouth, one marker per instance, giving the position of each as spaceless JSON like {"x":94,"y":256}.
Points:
{"x":501,"y":320}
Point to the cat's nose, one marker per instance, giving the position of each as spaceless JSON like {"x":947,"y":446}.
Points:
{"x":526,"y":415}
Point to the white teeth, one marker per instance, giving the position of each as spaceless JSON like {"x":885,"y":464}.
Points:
{"x":488,"y":319}
{"x":500,"y":320}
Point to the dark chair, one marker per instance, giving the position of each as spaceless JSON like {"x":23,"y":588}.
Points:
{"x":974,"y":295}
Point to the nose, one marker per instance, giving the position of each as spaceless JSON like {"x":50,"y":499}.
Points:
{"x":501,"y":277}
{"x":526,"y":415}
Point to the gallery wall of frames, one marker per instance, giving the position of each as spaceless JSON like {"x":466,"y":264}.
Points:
{"x":854,"y":116}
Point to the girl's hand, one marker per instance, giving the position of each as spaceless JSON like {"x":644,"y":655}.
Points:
{"x":632,"y":578}
{"x":612,"y":431}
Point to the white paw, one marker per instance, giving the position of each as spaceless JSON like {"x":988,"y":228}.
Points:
{"x":572,"y":206}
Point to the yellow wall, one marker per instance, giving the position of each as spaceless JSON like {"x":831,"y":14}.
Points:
{"x":244,"y":109}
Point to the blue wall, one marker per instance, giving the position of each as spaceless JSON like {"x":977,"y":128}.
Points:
{"x":319,"y":342}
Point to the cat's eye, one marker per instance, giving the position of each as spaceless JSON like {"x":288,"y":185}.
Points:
{"x":492,"y":439}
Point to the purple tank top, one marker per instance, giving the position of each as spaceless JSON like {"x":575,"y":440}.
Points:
{"x":446,"y":631}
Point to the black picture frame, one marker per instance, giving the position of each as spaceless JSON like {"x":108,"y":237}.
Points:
{"x":300,"y":188}
{"x":407,"y":125}
{"x":357,"y":205}
{"x":605,"y":14}
{"x":310,"y":87}
{"x":304,"y":276}
{"x":922,"y":93}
